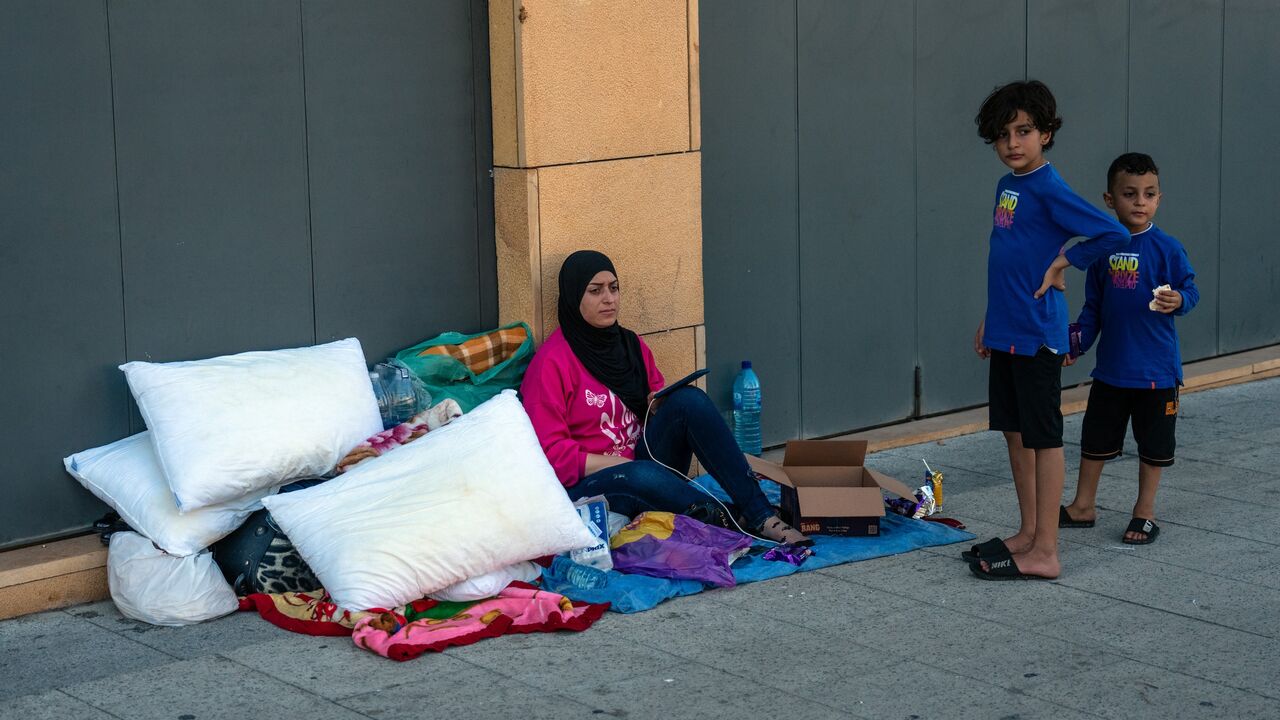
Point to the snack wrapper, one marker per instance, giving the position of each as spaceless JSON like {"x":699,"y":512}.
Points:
{"x":935,"y":483}
{"x":928,"y":505}
{"x":1154,"y":293}
{"x":793,"y":554}
{"x":1074,"y":334}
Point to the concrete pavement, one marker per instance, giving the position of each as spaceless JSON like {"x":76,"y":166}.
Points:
{"x":1183,"y":628}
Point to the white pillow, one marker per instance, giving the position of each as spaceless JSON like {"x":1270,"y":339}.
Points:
{"x":488,"y":584}
{"x":230,"y":425}
{"x":469,"y":498}
{"x":151,"y":586}
{"x":127,"y":476}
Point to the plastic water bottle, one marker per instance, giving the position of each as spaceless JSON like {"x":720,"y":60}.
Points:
{"x":746,"y":410}
{"x":400,"y":395}
{"x":579,"y":576}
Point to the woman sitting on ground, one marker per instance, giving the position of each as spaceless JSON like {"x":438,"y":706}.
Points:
{"x":588,"y":390}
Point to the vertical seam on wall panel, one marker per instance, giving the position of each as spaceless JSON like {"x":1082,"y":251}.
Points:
{"x":688,"y":70}
{"x":1128,"y":73}
{"x":517,"y":81}
{"x":1222,"y":101}
{"x":1026,"y":40}
{"x":306,"y":157}
{"x":799,"y":241}
{"x":475,"y":163}
{"x":115,"y":162}
{"x":916,"y":401}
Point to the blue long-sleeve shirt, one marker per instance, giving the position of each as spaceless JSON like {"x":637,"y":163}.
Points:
{"x":1036,"y":215}
{"x":1139,"y":346}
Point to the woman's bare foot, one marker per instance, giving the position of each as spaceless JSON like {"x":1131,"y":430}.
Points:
{"x":1043,"y":565}
{"x":774,"y":529}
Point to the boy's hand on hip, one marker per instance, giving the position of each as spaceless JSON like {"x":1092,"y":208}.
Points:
{"x":1055,"y":276}
{"x":978,"y":347}
{"x":1168,"y":300}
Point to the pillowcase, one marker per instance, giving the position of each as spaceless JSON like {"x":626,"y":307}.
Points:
{"x":230,"y":425}
{"x":127,"y":476}
{"x":469,"y":498}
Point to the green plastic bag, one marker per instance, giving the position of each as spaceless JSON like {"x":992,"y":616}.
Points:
{"x":471,"y":368}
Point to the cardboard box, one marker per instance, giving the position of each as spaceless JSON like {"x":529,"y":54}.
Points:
{"x":826,"y":489}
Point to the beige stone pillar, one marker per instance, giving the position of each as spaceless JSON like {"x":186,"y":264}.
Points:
{"x":596,"y":146}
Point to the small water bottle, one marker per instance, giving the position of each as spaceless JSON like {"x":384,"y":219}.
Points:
{"x":746,"y":410}
{"x":579,"y":576}
{"x":400,"y":395}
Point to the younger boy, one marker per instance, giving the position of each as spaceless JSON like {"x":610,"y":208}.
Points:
{"x":1139,"y":367}
{"x":1024,"y":332}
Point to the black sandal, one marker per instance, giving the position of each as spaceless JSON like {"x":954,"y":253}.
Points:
{"x":1066,"y":521}
{"x":991,"y":549}
{"x":1141,"y":525}
{"x":1002,"y":569}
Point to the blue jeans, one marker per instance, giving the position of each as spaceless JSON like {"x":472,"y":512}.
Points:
{"x":685,"y":424}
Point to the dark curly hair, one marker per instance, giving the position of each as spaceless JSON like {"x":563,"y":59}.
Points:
{"x":1132,"y":163}
{"x":1003,"y":104}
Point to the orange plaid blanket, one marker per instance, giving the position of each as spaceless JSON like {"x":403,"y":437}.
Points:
{"x":481,"y":353}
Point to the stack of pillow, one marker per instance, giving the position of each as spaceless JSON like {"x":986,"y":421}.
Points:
{"x":223,"y":434}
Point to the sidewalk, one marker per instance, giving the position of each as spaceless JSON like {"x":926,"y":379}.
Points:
{"x":1185,"y":628}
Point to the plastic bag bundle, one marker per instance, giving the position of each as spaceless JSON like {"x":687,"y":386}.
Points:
{"x":155,"y":587}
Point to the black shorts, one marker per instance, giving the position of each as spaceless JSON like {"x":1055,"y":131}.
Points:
{"x":1154,"y":414}
{"x":1026,"y":397}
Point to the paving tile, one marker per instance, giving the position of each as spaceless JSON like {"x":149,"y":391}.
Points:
{"x":646,"y":681}
{"x":1216,"y":482}
{"x":461,"y":691}
{"x":1175,"y":642}
{"x":332,"y":667}
{"x":946,"y":582}
{"x":1237,"y":453}
{"x":1218,"y":600}
{"x":53,"y":705}
{"x":1132,"y":689}
{"x":42,"y":651}
{"x":207,"y":688}
{"x":190,"y":641}
{"x":922,"y":692}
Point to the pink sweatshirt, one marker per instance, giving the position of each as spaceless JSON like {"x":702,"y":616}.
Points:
{"x":574,"y":414}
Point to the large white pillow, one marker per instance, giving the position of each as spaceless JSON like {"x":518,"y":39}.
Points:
{"x":469,"y":498}
{"x":230,"y":425}
{"x":127,"y":476}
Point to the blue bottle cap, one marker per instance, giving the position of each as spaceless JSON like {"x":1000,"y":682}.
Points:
{"x":746,"y":364}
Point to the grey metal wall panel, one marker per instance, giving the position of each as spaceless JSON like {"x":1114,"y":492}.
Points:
{"x":963,"y":50}
{"x":750,"y":237}
{"x":1250,"y":270}
{"x":212,"y":174}
{"x":60,"y":306}
{"x":1175,"y":90}
{"x":391,"y":147}
{"x":1079,"y":48}
{"x":857,"y":210}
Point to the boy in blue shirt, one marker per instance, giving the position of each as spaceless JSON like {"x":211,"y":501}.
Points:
{"x":1134,"y":296}
{"x":1024,"y":332}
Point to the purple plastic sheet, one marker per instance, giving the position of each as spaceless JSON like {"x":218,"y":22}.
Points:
{"x":693,"y":551}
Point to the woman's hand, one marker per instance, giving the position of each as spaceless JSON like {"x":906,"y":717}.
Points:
{"x":596,"y":462}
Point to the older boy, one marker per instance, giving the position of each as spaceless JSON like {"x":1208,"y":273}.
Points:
{"x":1024,"y":332}
{"x":1133,"y":296}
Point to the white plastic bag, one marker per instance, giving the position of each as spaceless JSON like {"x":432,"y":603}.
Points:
{"x":489,"y":584}
{"x":155,"y":587}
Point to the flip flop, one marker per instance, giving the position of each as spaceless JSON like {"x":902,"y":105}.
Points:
{"x":1066,"y":521}
{"x":993,"y":548}
{"x":1141,"y":525}
{"x":1002,"y":569}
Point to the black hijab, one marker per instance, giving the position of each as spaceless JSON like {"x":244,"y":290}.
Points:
{"x":612,"y":355}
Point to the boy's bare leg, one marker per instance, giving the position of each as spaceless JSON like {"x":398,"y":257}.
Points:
{"x":1148,"y":483}
{"x":1085,"y":505}
{"x":1042,"y":557}
{"x":1022,"y":462}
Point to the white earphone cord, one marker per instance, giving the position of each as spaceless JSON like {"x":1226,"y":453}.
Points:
{"x":644,"y":434}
